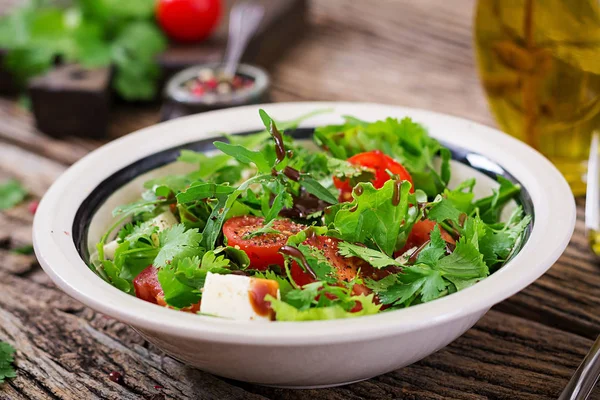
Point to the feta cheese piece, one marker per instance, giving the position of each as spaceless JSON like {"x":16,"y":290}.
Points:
{"x":109,"y":249}
{"x":162,"y":221}
{"x":238,"y":297}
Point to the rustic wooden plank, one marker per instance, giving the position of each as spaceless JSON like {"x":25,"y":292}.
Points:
{"x":36,"y":173}
{"x":567,"y":296}
{"x":67,"y":352}
{"x":17,"y":127}
{"x":410,"y":53}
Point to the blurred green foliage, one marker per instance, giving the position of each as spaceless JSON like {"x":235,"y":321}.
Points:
{"x":93,"y":33}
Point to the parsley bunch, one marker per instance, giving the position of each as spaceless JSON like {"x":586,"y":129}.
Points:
{"x":93,"y":34}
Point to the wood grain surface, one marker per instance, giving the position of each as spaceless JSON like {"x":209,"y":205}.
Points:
{"x":412,"y":53}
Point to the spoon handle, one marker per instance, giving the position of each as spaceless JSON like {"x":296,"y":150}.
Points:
{"x":583,"y":381}
{"x":244,"y":20}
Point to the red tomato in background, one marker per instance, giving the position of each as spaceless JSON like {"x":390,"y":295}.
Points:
{"x":188,"y":20}
{"x":379,"y":163}
{"x":262,"y":250}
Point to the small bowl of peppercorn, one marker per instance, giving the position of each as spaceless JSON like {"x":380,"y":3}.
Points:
{"x":205,"y":87}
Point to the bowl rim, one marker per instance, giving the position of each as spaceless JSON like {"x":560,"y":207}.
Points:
{"x":553,"y":202}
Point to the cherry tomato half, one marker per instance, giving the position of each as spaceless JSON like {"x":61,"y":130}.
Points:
{"x":188,"y":20}
{"x":262,"y":250}
{"x":346,"y":267}
{"x":147,"y":287}
{"x":379,"y":163}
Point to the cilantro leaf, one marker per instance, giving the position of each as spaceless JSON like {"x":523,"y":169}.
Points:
{"x":376,"y":258}
{"x":491,"y":206}
{"x":181,"y":283}
{"x":373,"y":218}
{"x":434,"y":250}
{"x":178,"y":294}
{"x":176,"y":242}
{"x":11,"y":194}
{"x":465,"y":262}
{"x":444,"y":210}
{"x":7,"y":370}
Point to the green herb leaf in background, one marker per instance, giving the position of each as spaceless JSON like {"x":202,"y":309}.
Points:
{"x":7,"y":370}
{"x":11,"y":194}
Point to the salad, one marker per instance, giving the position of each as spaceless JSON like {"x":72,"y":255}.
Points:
{"x":359,"y":221}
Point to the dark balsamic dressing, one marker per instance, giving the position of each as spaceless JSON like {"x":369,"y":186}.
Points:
{"x":295,"y":253}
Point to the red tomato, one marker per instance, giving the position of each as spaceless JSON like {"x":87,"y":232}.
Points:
{"x":262,"y":250}
{"x":346,"y":267}
{"x":421,"y":233}
{"x":379,"y":163}
{"x":147,"y":287}
{"x":188,"y":20}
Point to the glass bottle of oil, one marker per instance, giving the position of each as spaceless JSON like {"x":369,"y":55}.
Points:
{"x":539,"y":62}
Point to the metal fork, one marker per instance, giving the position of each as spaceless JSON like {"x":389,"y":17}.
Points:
{"x":585,"y":378}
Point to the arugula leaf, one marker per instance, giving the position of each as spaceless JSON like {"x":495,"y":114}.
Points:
{"x":266,"y":229}
{"x":176,"y":242}
{"x":11,"y":194}
{"x":203,"y":190}
{"x":316,"y":189}
{"x":287,"y":312}
{"x":373,"y":218}
{"x":7,"y":370}
{"x":214,"y":223}
{"x":138,"y":207}
{"x":376,"y":258}
{"x":245,"y":156}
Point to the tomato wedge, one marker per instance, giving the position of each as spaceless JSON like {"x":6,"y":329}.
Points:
{"x":421,"y":233}
{"x":377,"y":162}
{"x":262,"y":250}
{"x":147,"y":287}
{"x":346,"y":268}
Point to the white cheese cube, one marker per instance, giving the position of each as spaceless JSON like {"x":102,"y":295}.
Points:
{"x":238,"y":297}
{"x":109,"y":249}
{"x":164,"y":221}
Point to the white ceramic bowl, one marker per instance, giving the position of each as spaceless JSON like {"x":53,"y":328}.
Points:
{"x":303,"y":354}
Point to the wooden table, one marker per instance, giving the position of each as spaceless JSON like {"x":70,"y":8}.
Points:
{"x":412,"y":53}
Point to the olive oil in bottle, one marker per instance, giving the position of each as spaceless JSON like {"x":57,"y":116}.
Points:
{"x":539,"y":63}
